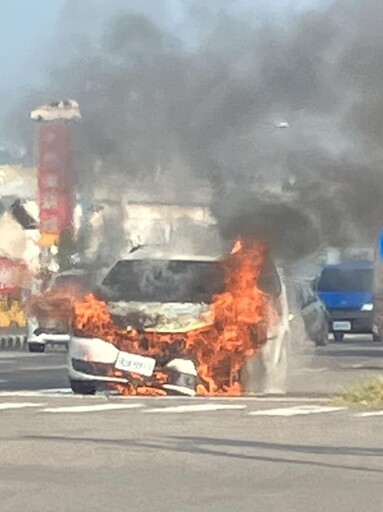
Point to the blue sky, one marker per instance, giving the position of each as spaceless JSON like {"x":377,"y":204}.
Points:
{"x":27,"y":28}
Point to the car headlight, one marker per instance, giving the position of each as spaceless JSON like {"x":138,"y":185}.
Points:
{"x":367,"y":307}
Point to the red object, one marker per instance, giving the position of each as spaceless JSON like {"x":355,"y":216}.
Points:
{"x":56,"y":177}
{"x":12,"y":275}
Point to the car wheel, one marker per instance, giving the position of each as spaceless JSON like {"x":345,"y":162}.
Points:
{"x":36,"y":347}
{"x":376,"y":337}
{"x":81,"y":387}
{"x":338,"y":336}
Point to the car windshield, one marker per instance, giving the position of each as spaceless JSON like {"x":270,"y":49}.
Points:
{"x":164,"y":281}
{"x":345,"y":280}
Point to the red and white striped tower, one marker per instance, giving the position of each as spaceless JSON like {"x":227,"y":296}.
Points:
{"x":56,"y":173}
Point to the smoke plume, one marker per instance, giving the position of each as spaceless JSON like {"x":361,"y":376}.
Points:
{"x":201,"y":99}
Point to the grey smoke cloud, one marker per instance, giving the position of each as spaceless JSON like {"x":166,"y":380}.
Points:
{"x":201,"y":102}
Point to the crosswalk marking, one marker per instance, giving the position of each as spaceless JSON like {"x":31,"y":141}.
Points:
{"x":196,"y":408}
{"x":301,"y":410}
{"x":92,"y":408}
{"x":369,"y":414}
{"x":19,"y":405}
{"x":146,"y":406}
{"x":58,"y":392}
{"x":45,"y":368}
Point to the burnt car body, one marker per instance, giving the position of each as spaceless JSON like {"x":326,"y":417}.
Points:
{"x":314,"y":314}
{"x":152,"y":292}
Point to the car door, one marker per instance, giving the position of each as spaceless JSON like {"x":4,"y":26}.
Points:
{"x":312,"y":312}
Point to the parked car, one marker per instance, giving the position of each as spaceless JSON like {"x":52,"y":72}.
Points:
{"x":50,"y":314}
{"x":314,"y":313}
{"x":346,"y":289}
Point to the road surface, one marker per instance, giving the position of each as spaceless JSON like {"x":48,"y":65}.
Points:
{"x":298,"y":453}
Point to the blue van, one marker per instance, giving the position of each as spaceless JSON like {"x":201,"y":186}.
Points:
{"x":346,"y":289}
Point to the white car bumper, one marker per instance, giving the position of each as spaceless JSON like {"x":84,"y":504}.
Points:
{"x":94,"y":360}
{"x":88,"y":357}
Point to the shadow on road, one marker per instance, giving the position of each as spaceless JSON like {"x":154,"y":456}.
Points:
{"x":203,"y":446}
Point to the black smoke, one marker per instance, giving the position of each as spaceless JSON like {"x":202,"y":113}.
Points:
{"x":202,"y":100}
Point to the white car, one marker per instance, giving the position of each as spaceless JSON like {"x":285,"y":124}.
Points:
{"x":68,"y":110}
{"x":50,"y":317}
{"x":156,"y":292}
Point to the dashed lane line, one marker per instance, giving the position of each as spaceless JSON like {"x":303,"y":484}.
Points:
{"x":287,"y":412}
{"x":92,"y":408}
{"x":302,"y":410}
{"x":59,"y":392}
{"x":369,"y":414}
{"x":45,"y":368}
{"x":19,"y":405}
{"x":196,"y":408}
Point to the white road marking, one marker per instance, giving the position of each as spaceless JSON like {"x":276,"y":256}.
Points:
{"x":298,"y":371}
{"x":196,"y":408}
{"x":301,"y":410}
{"x":60,"y":392}
{"x":92,"y":408}
{"x":369,"y":414}
{"x":42,"y":368}
{"x":56,"y":391}
{"x":20,"y":394}
{"x":285,"y":399}
{"x":19,"y":405}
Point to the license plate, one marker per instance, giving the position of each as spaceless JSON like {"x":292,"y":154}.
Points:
{"x":135,"y":364}
{"x":341,"y":326}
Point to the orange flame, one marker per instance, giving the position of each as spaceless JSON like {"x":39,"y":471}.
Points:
{"x":241,"y":315}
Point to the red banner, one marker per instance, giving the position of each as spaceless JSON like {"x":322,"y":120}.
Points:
{"x":56,"y":177}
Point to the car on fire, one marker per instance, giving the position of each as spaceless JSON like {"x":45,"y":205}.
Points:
{"x":49,"y":317}
{"x":159,"y":297}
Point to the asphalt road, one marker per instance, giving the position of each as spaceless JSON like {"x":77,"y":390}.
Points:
{"x":297,"y":453}
{"x":25,"y":371}
{"x":74,"y":454}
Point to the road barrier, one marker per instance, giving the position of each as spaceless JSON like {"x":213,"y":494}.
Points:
{"x":13,"y":341}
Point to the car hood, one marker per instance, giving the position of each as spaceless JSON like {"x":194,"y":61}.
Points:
{"x":168,"y":317}
{"x":345,"y":300}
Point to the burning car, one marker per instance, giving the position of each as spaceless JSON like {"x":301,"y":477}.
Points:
{"x":50,"y":313}
{"x":68,"y":110}
{"x":163,"y":324}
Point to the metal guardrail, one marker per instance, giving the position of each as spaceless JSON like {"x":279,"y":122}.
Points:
{"x":13,"y":339}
